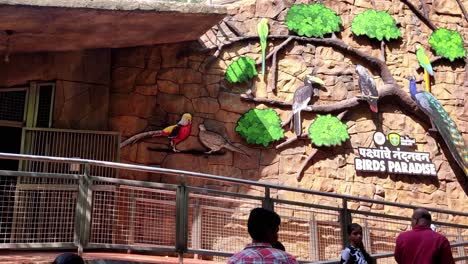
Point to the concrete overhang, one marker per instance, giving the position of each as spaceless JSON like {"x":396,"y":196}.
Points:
{"x":63,"y":25}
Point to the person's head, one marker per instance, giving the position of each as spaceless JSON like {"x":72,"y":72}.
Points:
{"x":421,"y":217}
{"x":68,"y":258}
{"x":278,"y":245}
{"x":355,"y":234}
{"x":263,"y":225}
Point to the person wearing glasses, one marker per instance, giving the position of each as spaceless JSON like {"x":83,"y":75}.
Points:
{"x":422,"y":245}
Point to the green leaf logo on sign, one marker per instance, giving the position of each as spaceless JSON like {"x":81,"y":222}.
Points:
{"x":394,"y":139}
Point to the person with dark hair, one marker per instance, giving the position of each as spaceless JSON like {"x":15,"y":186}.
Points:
{"x":263,"y":226}
{"x":68,"y":258}
{"x":278,"y":245}
{"x":422,"y":245}
{"x":355,"y":253}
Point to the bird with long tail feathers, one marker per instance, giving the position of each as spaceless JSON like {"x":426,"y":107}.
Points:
{"x":175,"y":133}
{"x":301,"y":99}
{"x":441,"y":122}
{"x":426,"y":64}
{"x":215,"y":142}
{"x":368,"y":87}
{"x":262,"y":30}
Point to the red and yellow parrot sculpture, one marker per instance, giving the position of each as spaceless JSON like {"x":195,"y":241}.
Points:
{"x":176,"y":133}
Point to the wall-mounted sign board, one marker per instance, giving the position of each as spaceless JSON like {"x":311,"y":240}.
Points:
{"x":394,"y":154}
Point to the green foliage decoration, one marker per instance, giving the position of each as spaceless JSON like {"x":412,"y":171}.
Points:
{"x":375,"y":24}
{"x":241,"y":70}
{"x":260,"y":126}
{"x":447,"y":43}
{"x":328,"y":131}
{"x":314,"y":20}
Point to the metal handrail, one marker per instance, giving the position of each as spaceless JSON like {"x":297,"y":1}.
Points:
{"x":177,"y":173}
{"x":181,"y":203}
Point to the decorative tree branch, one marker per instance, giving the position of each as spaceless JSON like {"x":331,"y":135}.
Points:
{"x":329,"y":42}
{"x":321,"y":109}
{"x":233,"y":28}
{"x":275,"y":50}
{"x":420,"y":15}
{"x":465,"y":83}
{"x":299,"y":174}
{"x":291,"y":140}
{"x":465,"y":14}
{"x":382,"y":50}
{"x":288,"y":121}
{"x":139,"y":137}
{"x":271,"y":86}
{"x":462,"y":7}
{"x":186,"y":151}
{"x":274,"y":64}
{"x":287,"y":142}
{"x":424,"y":8}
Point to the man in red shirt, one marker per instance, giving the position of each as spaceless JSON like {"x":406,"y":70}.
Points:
{"x":263,"y":227}
{"x":421,"y":245}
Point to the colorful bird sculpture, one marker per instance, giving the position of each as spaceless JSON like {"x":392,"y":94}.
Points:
{"x":441,"y":121}
{"x":215,"y":142}
{"x":368,"y":87}
{"x":426,"y":64}
{"x":262,"y":30}
{"x":176,"y":133}
{"x":301,"y":99}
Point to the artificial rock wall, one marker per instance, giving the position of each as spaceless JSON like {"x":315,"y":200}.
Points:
{"x":152,"y":87}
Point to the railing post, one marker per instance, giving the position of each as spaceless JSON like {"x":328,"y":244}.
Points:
{"x":460,"y":249}
{"x":267,"y":202}
{"x":313,"y":237}
{"x":345,"y":217}
{"x":181,"y":217}
{"x":367,"y":237}
{"x":196,"y":227}
{"x":83,"y":210}
{"x":131,"y":235}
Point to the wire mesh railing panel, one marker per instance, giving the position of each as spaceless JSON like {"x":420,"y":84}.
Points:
{"x":219,"y":222}
{"x":43,"y":216}
{"x":379,"y":232}
{"x":453,"y":234}
{"x":138,"y":216}
{"x":102,"y":219}
{"x":309,"y":234}
{"x":7,"y":205}
{"x":387,"y":260}
{"x":143,"y":214}
{"x":94,"y":145}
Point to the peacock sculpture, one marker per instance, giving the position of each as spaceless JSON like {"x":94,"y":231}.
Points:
{"x":441,"y":122}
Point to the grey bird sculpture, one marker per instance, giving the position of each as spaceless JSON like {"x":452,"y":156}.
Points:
{"x":215,"y":142}
{"x":368,"y":87}
{"x":301,"y":99}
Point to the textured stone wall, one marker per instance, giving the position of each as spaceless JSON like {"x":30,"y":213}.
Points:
{"x":82,"y":81}
{"x":152,"y":87}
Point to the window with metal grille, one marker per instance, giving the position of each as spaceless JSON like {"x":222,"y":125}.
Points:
{"x":12,"y":104}
{"x":44,"y":107}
